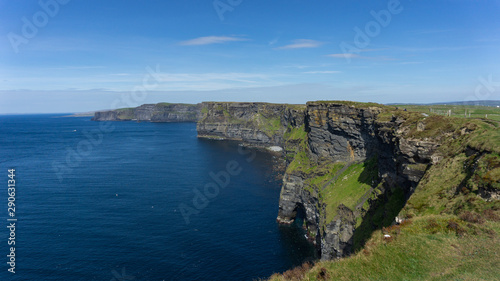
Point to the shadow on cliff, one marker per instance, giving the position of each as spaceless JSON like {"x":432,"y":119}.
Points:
{"x":382,"y":212}
{"x":369,"y":175}
{"x":383,"y":209}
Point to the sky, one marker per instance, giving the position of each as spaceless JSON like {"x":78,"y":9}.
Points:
{"x":77,"y":56}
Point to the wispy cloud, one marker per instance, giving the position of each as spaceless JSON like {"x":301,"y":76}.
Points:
{"x":302,"y":43}
{"x":207,"y":40}
{"x":127,"y":81}
{"x":322,"y":72}
{"x":197,"y":77}
{"x":356,"y":56}
{"x":435,"y":49}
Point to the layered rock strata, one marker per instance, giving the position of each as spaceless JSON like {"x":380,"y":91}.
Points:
{"x":334,"y":132}
{"x":161,"y":112}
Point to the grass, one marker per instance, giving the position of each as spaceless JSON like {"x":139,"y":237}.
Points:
{"x":349,"y":187}
{"x":300,"y":163}
{"x":461,"y":111}
{"x":456,"y":131}
{"x":450,"y":232}
{"x":125,"y":113}
{"x":451,"y":186}
{"x":295,"y":139}
{"x":269,"y":125}
{"x":267,"y":119}
{"x":349,"y":103}
{"x":168,"y":104}
{"x":295,"y":133}
{"x":426,"y":248}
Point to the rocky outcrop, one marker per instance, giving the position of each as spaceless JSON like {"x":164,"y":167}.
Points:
{"x":337,"y":238}
{"x":333,"y":132}
{"x":339,"y":132}
{"x":261,"y":124}
{"x":161,"y":112}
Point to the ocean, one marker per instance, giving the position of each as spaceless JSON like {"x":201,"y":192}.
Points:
{"x":138,"y":201}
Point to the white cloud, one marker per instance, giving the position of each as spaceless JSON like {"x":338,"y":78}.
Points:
{"x":75,"y":67}
{"x":207,"y":40}
{"x":302,"y":43}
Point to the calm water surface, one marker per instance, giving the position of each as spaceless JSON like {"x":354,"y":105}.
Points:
{"x":101,"y":203}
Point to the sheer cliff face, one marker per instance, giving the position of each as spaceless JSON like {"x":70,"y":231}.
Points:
{"x":161,"y":112}
{"x":322,"y":134}
{"x":343,"y":133}
{"x":260,"y":124}
{"x":339,"y":132}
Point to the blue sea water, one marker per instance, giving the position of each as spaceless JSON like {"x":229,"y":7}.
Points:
{"x":105,"y":201}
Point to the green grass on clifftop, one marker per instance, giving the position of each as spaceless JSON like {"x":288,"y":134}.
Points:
{"x":349,"y":103}
{"x":461,"y":111}
{"x":425,"y":248}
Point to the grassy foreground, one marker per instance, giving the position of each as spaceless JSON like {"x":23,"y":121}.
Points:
{"x":425,"y":248}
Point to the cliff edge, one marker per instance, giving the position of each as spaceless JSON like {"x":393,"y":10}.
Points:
{"x":160,"y":112}
{"x":352,"y":167}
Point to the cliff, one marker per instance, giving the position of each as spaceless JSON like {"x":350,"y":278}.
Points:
{"x":261,"y":124}
{"x":161,"y":112}
{"x":352,"y":167}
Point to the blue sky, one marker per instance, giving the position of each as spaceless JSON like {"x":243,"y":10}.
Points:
{"x":86,"y":55}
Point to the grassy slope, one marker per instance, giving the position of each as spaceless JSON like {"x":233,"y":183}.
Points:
{"x":426,"y":248}
{"x":450,"y":232}
{"x":456,"y":110}
{"x":349,"y":187}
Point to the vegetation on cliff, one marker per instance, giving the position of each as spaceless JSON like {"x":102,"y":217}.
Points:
{"x":255,"y":123}
{"x":356,"y":168}
{"x":160,"y":112}
{"x":449,"y":226}
{"x":435,"y":247}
